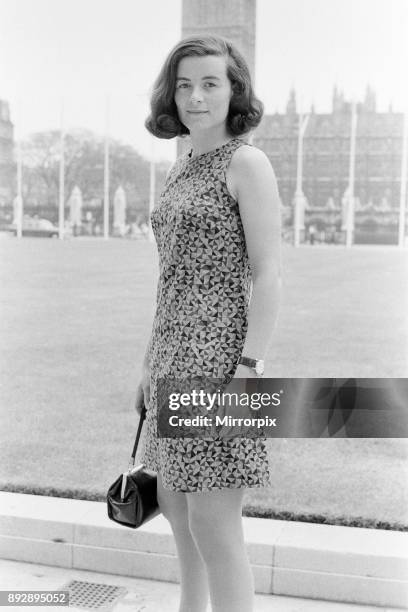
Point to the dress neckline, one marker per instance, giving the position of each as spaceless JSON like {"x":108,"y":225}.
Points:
{"x":190,"y":158}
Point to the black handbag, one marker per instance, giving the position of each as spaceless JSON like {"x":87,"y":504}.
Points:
{"x":132,"y":498}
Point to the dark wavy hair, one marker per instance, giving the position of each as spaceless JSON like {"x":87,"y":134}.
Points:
{"x":245,"y":110}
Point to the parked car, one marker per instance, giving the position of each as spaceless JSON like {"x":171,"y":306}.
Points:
{"x":37,"y":227}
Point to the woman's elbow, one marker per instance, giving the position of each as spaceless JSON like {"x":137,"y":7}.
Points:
{"x":269,"y":274}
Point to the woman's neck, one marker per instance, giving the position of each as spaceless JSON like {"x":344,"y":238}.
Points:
{"x":205,"y":141}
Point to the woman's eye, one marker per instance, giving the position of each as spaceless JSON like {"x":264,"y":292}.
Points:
{"x":185,"y":85}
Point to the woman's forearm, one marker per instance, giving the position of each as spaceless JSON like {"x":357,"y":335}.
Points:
{"x":147,"y":351}
{"x":146,"y":355}
{"x":262,"y":315}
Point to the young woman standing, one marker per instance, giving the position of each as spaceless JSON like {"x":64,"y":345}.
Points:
{"x":217,"y":228}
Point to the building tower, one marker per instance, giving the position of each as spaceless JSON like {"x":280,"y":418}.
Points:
{"x":233,"y":19}
{"x":370,"y":103}
{"x":6,"y":154}
{"x":291,"y":105}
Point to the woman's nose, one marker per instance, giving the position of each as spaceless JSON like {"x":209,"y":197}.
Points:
{"x":196,"y":95}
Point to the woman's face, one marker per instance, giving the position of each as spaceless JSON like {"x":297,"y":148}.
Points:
{"x":203,"y":92}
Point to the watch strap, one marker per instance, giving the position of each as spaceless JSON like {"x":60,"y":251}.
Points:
{"x":247,"y":361}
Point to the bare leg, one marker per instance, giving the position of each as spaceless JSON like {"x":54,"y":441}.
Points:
{"x":215,"y":519}
{"x":194,"y":581}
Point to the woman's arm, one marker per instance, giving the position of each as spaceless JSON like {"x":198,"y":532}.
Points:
{"x":255,"y":187}
{"x":145,"y":363}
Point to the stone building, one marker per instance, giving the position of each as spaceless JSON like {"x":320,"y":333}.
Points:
{"x":326,"y":155}
{"x":6,"y":155}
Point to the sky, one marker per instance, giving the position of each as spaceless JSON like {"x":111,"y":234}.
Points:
{"x":83,"y":52}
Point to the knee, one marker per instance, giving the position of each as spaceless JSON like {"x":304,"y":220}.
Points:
{"x":210,"y":534}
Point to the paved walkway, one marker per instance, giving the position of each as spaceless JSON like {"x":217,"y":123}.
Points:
{"x":143,"y":595}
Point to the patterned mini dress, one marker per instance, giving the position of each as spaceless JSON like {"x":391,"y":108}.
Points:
{"x":200,"y":322}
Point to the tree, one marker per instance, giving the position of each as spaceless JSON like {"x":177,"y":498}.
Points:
{"x":84,"y":163}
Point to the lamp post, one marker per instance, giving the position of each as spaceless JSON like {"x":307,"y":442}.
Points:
{"x":106,"y":175}
{"x":152,"y":188}
{"x":18,"y":214}
{"x":300,"y":200}
{"x":350,"y":206}
{"x":61,"y":176}
{"x":403,"y":192}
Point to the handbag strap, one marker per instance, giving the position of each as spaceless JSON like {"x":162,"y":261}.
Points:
{"x":139,"y":431}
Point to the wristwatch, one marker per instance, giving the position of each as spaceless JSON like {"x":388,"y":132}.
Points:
{"x":258,"y":365}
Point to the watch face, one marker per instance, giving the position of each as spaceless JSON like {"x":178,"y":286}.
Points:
{"x":259,"y":368}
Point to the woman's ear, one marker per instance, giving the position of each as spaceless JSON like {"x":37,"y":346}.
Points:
{"x":238,"y":87}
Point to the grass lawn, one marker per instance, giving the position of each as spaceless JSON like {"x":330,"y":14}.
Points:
{"x":76,"y":317}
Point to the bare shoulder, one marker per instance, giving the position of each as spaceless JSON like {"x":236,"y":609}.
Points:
{"x":249,"y":156}
{"x":248,"y":164}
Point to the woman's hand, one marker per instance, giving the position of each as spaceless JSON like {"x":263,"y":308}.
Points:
{"x":234,"y":409}
{"x":244,"y":372}
{"x":143,"y":391}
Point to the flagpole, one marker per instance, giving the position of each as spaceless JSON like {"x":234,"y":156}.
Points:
{"x":61,"y":200}
{"x":106,"y":174}
{"x":152,"y":188}
{"x":19,"y":198}
{"x":403,"y":192}
{"x":299,"y":195}
{"x":350,"y":207}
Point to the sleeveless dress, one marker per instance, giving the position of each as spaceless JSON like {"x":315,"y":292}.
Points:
{"x":200,"y":322}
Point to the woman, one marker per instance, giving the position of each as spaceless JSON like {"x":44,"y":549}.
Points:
{"x":217,"y":228}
